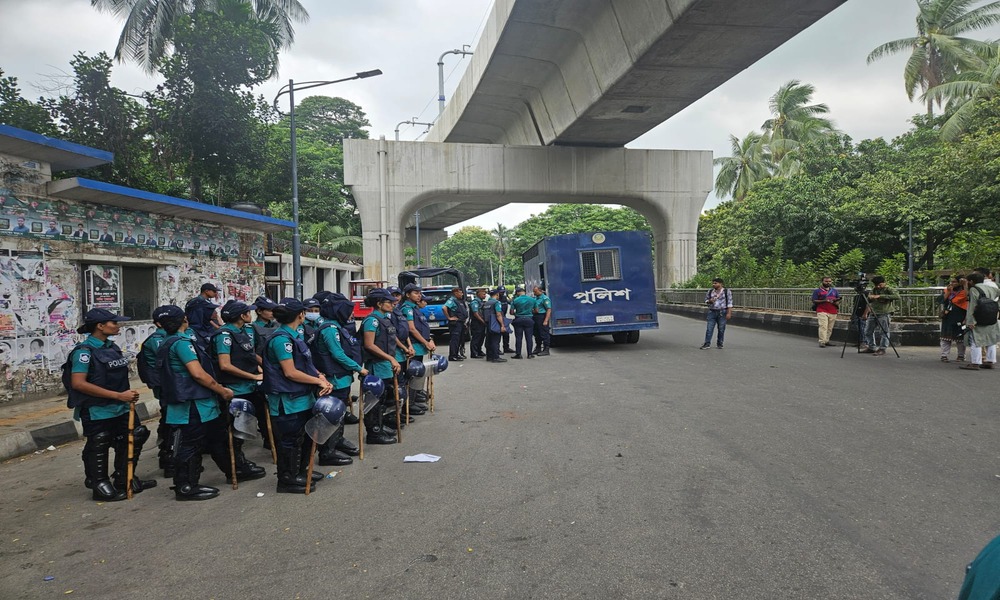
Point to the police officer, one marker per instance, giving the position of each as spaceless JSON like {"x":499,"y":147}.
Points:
{"x":504,"y":307}
{"x":200,"y":311}
{"x":312,"y":317}
{"x":238,"y":369}
{"x":420,"y":337}
{"x":457,"y":313}
{"x":477,"y":324}
{"x":524,"y":324}
{"x":379,"y":343}
{"x":404,"y":352}
{"x":492,"y":314}
{"x":291,"y":382}
{"x":263,"y":326}
{"x":148,"y":374}
{"x":96,"y":377}
{"x":543,"y":312}
{"x":191,"y":394}
{"x":337,"y":354}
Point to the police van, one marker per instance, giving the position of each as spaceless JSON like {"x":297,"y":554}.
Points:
{"x":598,"y":283}
{"x":437,"y":292}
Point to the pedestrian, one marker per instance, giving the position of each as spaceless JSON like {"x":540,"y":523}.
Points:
{"x":337,"y":354}
{"x":881,"y":302}
{"x":201,"y":313}
{"x":192,"y":398}
{"x":954,"y":302}
{"x":524,"y":325}
{"x":477,"y":324}
{"x":148,"y":374}
{"x":982,"y":330}
{"x":542,"y":316}
{"x":291,"y":383}
{"x":826,"y":303}
{"x":457,"y":313}
{"x":238,"y":369}
{"x":493,"y":315}
{"x":378,"y":348}
{"x":96,"y":377}
{"x":719,"y":300}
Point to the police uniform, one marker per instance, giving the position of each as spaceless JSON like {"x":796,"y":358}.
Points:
{"x":477,"y":327}
{"x":417,"y":320}
{"x":148,"y":374}
{"x":490,"y":310}
{"x":402,"y":325}
{"x":385,"y":340}
{"x":194,"y":414}
{"x":199,"y":311}
{"x":238,"y":343}
{"x":105,"y":421}
{"x":524,"y":324}
{"x":337,"y":354}
{"x":262,"y":330}
{"x":456,"y":329}
{"x":289,"y":403}
{"x":542,"y":336}
{"x":504,"y":306}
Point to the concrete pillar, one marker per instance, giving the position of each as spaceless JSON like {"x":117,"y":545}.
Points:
{"x":668,"y":187}
{"x":428,"y":239}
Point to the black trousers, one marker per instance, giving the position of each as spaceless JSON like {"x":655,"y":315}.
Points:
{"x":478,"y":337}
{"x":196,"y":436}
{"x":493,"y":345}
{"x":542,"y":337}
{"x":524,"y":327}
{"x":456,"y":329}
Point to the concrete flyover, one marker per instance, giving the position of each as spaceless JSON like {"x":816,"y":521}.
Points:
{"x":581,"y":73}
{"x":392,"y":180}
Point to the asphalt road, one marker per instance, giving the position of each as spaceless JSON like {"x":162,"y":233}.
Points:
{"x":770,"y":469}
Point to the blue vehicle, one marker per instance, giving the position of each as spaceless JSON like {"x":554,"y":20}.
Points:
{"x":436,"y":295}
{"x":599,"y":283}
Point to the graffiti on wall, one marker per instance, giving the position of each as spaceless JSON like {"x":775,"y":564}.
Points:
{"x":82,"y":223}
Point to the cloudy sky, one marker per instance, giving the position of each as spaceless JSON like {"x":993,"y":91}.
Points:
{"x":404,"y":38}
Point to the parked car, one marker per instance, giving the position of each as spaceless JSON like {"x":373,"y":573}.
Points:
{"x":442,"y":280}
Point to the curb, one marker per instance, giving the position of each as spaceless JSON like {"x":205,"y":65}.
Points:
{"x":19,"y":443}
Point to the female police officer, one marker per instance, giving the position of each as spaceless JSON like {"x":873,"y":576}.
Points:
{"x":379,"y":343}
{"x":290,"y":382}
{"x":96,"y":377}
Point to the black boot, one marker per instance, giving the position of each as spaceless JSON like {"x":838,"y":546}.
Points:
{"x":246,"y":469}
{"x":95,"y":465}
{"x":289,"y":480}
{"x":186,"y":477}
{"x":376,"y":432}
{"x":140,"y":435}
{"x":304,"y":462}
{"x":165,"y":444}
{"x":329,"y":456}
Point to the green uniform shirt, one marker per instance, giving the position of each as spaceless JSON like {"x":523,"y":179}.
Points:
{"x":280,"y":349}
{"x":542,"y":304}
{"x":82,"y":365}
{"x":452,"y":305}
{"x":378,"y":367}
{"x":523,"y":305}
{"x":181,"y":353}
{"x":475,"y":305}
{"x":407,"y":310}
{"x":223,"y":344}
{"x":149,"y":350}
{"x":330,"y":338}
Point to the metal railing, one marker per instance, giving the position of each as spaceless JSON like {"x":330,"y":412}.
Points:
{"x":914,"y":303}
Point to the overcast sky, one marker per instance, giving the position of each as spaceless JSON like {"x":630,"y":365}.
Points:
{"x":404,"y":38}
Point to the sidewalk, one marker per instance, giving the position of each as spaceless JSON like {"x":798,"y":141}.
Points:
{"x":28,"y":427}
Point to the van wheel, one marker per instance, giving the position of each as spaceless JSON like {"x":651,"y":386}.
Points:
{"x":620,"y":337}
{"x":633,"y":337}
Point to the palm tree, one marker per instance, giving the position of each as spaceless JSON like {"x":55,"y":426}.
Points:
{"x":149,"y":24}
{"x":938,"y":52}
{"x":748,"y":164}
{"x":794,"y":122}
{"x":965,"y":90}
{"x":501,"y":233}
{"x":334,"y":237}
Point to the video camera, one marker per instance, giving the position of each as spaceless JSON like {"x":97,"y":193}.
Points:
{"x":861,"y":282}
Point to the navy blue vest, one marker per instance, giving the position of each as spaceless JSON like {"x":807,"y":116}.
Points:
{"x":241,"y":355}
{"x":401,"y":324}
{"x":420,"y":323}
{"x":177,"y":388}
{"x":146,"y":362}
{"x":383,"y":338}
{"x":262,"y":334}
{"x":108,"y":369}
{"x":461,"y":310}
{"x":323,"y":358}
{"x":275,"y":381}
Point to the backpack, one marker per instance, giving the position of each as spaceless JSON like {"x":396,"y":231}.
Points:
{"x":986,"y":309}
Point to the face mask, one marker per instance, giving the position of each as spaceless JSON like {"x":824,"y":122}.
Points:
{"x":312,"y":316}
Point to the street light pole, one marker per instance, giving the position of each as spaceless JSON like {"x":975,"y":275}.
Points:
{"x":296,"y":238}
{"x":463,"y":52}
{"x":412,"y":121}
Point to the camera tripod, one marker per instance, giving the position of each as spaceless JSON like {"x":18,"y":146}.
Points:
{"x":861,"y":302}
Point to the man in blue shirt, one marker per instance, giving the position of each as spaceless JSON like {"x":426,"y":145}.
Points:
{"x":238,"y":368}
{"x":96,"y":377}
{"x":191,"y":395}
{"x":291,"y":383}
{"x":20,"y":227}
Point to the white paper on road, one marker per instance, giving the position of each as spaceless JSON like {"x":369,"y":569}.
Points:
{"x":423,"y":458}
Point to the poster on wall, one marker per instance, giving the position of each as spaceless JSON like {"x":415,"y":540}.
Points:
{"x":103,"y":286}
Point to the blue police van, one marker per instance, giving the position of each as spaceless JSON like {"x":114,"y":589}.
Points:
{"x":599,"y":283}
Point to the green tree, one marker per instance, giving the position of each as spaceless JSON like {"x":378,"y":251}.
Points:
{"x":330,"y":119}
{"x":749,"y":164}
{"x":794,"y":122}
{"x":470,"y":250}
{"x":501,"y":235}
{"x":976,"y":83}
{"x":938,"y":52}
{"x":17,"y":111}
{"x":151,"y":26}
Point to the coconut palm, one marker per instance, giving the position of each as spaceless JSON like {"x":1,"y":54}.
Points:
{"x":981,"y":82}
{"x":749,"y":163}
{"x":501,"y":234}
{"x":149,"y":24}
{"x":794,"y":121}
{"x":938,"y":52}
{"x":334,"y":237}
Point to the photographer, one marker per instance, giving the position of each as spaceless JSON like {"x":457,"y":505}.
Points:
{"x":954,"y":302}
{"x":881,"y":302}
{"x":982,"y":330}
